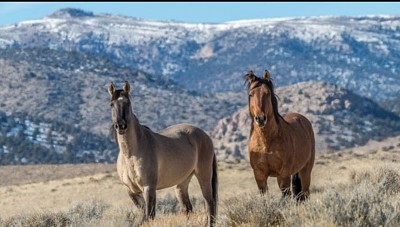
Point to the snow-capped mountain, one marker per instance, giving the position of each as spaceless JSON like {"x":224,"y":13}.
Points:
{"x":357,"y":53}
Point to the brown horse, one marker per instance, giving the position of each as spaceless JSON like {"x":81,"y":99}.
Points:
{"x":279,"y":146}
{"x":149,"y":161}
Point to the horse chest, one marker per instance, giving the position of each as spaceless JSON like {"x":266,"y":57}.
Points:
{"x":268,"y":162}
{"x":129,"y":174}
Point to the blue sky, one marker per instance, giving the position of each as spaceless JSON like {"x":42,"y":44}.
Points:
{"x":203,"y":12}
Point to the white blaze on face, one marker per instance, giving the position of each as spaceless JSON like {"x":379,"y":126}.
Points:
{"x":120,"y":98}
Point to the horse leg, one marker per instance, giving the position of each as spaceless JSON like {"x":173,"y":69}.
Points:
{"x":205,"y":181}
{"x":181,"y":191}
{"x":296,"y":185}
{"x":305,"y":176}
{"x":150,"y":200}
{"x":137,"y":199}
{"x":261,"y":179}
{"x":284,"y":185}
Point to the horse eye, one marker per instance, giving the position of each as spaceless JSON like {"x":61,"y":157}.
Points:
{"x":112,"y":104}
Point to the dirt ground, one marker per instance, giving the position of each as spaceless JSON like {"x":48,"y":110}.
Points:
{"x":43,"y":188}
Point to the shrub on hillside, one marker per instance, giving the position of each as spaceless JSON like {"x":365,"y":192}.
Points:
{"x":256,"y":210}
{"x":387,"y":178}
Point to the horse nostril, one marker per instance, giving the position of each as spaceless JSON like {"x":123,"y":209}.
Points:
{"x":120,"y":125}
{"x":260,"y":119}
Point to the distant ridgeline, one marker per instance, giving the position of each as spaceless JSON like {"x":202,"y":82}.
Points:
{"x":356,"y":53}
{"x":27,"y":140}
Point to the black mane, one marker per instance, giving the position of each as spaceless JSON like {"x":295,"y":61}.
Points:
{"x":113,"y":134}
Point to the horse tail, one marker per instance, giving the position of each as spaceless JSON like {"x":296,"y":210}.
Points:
{"x":214,"y":186}
{"x":214,"y":181}
{"x":296,"y":185}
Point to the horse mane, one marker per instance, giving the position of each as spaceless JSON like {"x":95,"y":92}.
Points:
{"x":113,"y":134}
{"x":270,"y":85}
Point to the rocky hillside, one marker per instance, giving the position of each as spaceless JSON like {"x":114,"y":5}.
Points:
{"x":356,"y":53}
{"x":72,"y":87}
{"x":392,"y":104}
{"x":340,"y":118}
{"x":54,"y":89}
{"x":28,"y":140}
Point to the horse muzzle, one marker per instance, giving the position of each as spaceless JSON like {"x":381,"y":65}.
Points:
{"x":261,"y":120}
{"x":121,"y":127}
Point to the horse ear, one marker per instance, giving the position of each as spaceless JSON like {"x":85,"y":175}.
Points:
{"x":111,"y":89}
{"x":266,"y":75}
{"x":127,"y":87}
{"x":250,"y":76}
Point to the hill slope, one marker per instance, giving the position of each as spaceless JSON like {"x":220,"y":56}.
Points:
{"x":53,"y":86}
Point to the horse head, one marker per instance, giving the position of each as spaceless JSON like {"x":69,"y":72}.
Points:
{"x":120,"y":107}
{"x":263,"y":104}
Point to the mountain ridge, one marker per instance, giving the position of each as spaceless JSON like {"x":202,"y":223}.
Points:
{"x":357,"y":53}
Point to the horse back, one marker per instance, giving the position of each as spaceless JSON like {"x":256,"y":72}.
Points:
{"x":299,"y":123}
{"x":192,"y":135}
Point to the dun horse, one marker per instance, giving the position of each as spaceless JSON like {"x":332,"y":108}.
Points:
{"x":279,"y":146}
{"x":149,"y":161}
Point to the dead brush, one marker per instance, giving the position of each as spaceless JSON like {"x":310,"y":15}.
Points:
{"x":80,"y":214}
{"x":366,"y":204}
{"x":254,"y":210}
{"x":388,"y":178}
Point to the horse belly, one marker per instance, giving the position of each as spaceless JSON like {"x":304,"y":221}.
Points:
{"x":172,"y":180}
{"x":178,"y":153}
{"x":175,"y":170}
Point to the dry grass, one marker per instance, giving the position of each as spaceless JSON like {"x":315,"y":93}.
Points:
{"x":353,"y":188}
{"x":18,"y":175}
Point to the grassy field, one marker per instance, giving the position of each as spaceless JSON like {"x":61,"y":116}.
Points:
{"x":358,"y":187}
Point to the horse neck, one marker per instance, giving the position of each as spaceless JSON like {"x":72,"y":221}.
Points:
{"x":129,"y":143}
{"x":271,"y":130}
